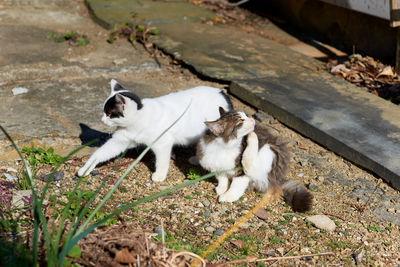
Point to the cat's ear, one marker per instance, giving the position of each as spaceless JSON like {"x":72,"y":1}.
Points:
{"x":222,"y":111}
{"x":120,"y":99}
{"x":215,"y":127}
{"x":115,"y":86}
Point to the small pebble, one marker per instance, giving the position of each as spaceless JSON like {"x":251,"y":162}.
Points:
{"x":322,"y":222}
{"x":19,"y":90}
{"x":10,"y":177}
{"x":12,"y":170}
{"x":284,"y":231}
{"x":148,"y":184}
{"x":391,"y":210}
{"x":162,"y":187}
{"x":210,"y":229}
{"x":218,"y":232}
{"x":56,"y":177}
{"x":300,"y":174}
{"x":95,"y":172}
{"x":206,"y":203}
{"x":159,"y":230}
{"x":207,"y":214}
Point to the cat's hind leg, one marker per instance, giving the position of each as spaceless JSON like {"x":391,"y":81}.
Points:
{"x":223,"y":183}
{"x":236,"y":190}
{"x":163,"y":156}
{"x":112,"y":148}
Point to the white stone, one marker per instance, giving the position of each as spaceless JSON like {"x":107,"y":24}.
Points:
{"x":19,"y":90}
{"x":10,"y":177}
{"x":12,"y":170}
{"x":322,"y":222}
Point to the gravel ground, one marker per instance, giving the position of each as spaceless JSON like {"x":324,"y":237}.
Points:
{"x":364,"y":209}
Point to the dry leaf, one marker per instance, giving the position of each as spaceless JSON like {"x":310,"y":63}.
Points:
{"x":124,"y":256}
{"x":340,"y":69}
{"x":237,"y":243}
{"x":262,"y":214}
{"x":387,"y":71}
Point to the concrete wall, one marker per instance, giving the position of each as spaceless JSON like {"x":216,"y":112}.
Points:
{"x":340,"y":27}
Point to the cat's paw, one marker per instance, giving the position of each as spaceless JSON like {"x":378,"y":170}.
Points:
{"x":228,"y":197}
{"x":194,"y":160}
{"x":158,"y":177}
{"x":220,"y":189}
{"x":251,"y":138}
{"x":83,"y":171}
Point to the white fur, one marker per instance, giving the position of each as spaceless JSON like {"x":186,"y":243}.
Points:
{"x":143,"y":126}
{"x":218,"y":155}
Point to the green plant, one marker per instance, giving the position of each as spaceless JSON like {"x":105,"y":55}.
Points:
{"x":135,"y":31}
{"x":39,"y":155}
{"x":73,"y":38}
{"x":275,"y":240}
{"x":59,"y":240}
{"x":372,"y":228}
{"x":193,"y":174}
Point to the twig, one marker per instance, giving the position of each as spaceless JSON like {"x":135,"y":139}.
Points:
{"x":203,"y":263}
{"x":328,"y":214}
{"x":284,"y":255}
{"x":273,"y":258}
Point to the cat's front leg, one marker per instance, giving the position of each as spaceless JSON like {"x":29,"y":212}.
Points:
{"x":236,"y":190}
{"x":250,"y":153}
{"x":223,"y":183}
{"x":163,"y":156}
{"x":112,"y":148}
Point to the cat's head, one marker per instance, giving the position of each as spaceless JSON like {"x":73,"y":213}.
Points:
{"x":231,"y":125}
{"x":120,"y":106}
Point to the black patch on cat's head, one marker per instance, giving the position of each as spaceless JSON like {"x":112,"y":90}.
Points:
{"x":114,"y":106}
{"x":133,"y":97}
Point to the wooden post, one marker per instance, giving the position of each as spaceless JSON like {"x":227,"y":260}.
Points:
{"x":395,"y":22}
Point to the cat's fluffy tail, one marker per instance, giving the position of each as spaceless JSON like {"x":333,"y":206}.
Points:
{"x":297,"y":196}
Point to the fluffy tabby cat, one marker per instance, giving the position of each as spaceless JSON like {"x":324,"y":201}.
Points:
{"x":235,"y":140}
{"x":141,"y":121}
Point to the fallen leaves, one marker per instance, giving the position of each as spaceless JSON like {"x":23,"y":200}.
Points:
{"x":369,"y":74}
{"x":124,"y":256}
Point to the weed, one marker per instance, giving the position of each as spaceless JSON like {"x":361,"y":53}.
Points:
{"x":372,"y":228}
{"x":275,"y":240}
{"x":136,"y":32}
{"x":188,"y":197}
{"x":39,"y":155}
{"x":338,"y":245}
{"x":193,"y":174}
{"x":288,"y":217}
{"x":73,"y":38}
{"x":387,"y":243}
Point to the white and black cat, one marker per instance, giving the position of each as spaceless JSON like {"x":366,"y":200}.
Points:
{"x":235,"y":140}
{"x":141,"y":121}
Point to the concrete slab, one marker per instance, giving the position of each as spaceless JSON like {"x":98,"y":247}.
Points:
{"x":110,"y":13}
{"x":224,"y":53}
